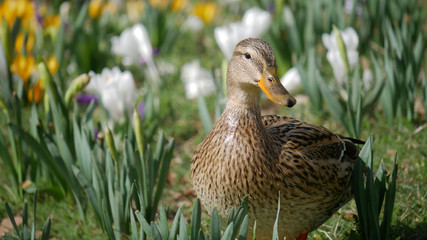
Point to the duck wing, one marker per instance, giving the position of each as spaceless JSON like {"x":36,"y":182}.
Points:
{"x":315,"y":142}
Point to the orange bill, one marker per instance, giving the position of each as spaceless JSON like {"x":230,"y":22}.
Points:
{"x":271,"y":85}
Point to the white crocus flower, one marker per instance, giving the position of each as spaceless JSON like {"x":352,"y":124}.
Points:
{"x":255,"y":23}
{"x":351,"y":41}
{"x":135,"y":47}
{"x":192,"y":23}
{"x":291,"y":79}
{"x":197,"y":80}
{"x":116,"y":89}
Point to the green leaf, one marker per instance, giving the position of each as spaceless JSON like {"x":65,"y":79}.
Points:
{"x":380,"y":184}
{"x":46,"y":229}
{"x":204,"y":114}
{"x":195,"y":220}
{"x":59,"y":44}
{"x":156,"y":232}
{"x":336,"y":105}
{"x":163,"y":223}
{"x":389,"y":203}
{"x":145,"y":225}
{"x":374,"y":94}
{"x":7,"y":159}
{"x":81,"y":18}
{"x":106,"y":220}
{"x":12,"y":218}
{"x":215,"y":225}
{"x":244,"y":228}
{"x":228,"y":233}
{"x":373,"y":213}
{"x":134,"y":230}
{"x":175,"y":227}
{"x":392,"y":38}
{"x":164,"y":172}
{"x":43,"y":154}
{"x":183,"y":234}
{"x":360,"y":195}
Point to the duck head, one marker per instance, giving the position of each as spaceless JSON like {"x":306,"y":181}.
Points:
{"x":253,"y":67}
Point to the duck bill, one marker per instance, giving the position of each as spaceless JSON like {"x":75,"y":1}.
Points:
{"x":271,"y":85}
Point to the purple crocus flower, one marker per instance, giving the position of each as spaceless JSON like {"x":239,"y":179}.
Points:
{"x":86,"y":98}
{"x":141,"y":109}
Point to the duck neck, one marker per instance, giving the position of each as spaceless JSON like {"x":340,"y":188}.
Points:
{"x":243,"y":109}
{"x":243,"y":99}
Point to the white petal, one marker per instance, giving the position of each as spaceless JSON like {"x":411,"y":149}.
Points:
{"x":116,"y":89}
{"x":125,"y":46}
{"x":350,"y":38}
{"x":144,"y":45}
{"x":337,"y":64}
{"x":192,"y":23}
{"x":197,"y":80}
{"x":353,"y":58}
{"x":224,"y":38}
{"x":254,"y":24}
{"x":329,"y":41}
{"x":256,"y":21}
{"x":291,"y":79}
{"x":112,"y":102}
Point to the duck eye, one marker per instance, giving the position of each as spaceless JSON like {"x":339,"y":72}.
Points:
{"x":247,"y":56}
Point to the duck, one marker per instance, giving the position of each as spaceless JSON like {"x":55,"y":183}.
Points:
{"x":261,"y":157}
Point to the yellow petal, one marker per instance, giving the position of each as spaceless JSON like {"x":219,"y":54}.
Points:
{"x":52,"y":65}
{"x":19,"y":42}
{"x":95,"y":8}
{"x":178,"y":5}
{"x":205,"y":11}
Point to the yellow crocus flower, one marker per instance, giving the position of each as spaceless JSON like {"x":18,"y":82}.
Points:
{"x":98,"y":7}
{"x":134,"y":10}
{"x":52,"y":21}
{"x":19,"y":42}
{"x":175,"y":5}
{"x":22,"y":9}
{"x":52,"y":65}
{"x":178,"y":5}
{"x":23,"y":66}
{"x":36,"y":92}
{"x":205,"y":11}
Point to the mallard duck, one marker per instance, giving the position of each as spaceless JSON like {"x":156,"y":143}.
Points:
{"x":246,"y":154}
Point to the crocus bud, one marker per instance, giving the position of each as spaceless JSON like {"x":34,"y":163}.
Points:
{"x":110,"y":143}
{"x":341,"y":48}
{"x":76,"y":85}
{"x":137,"y":128}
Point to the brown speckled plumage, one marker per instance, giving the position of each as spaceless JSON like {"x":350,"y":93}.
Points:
{"x":246,"y":154}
